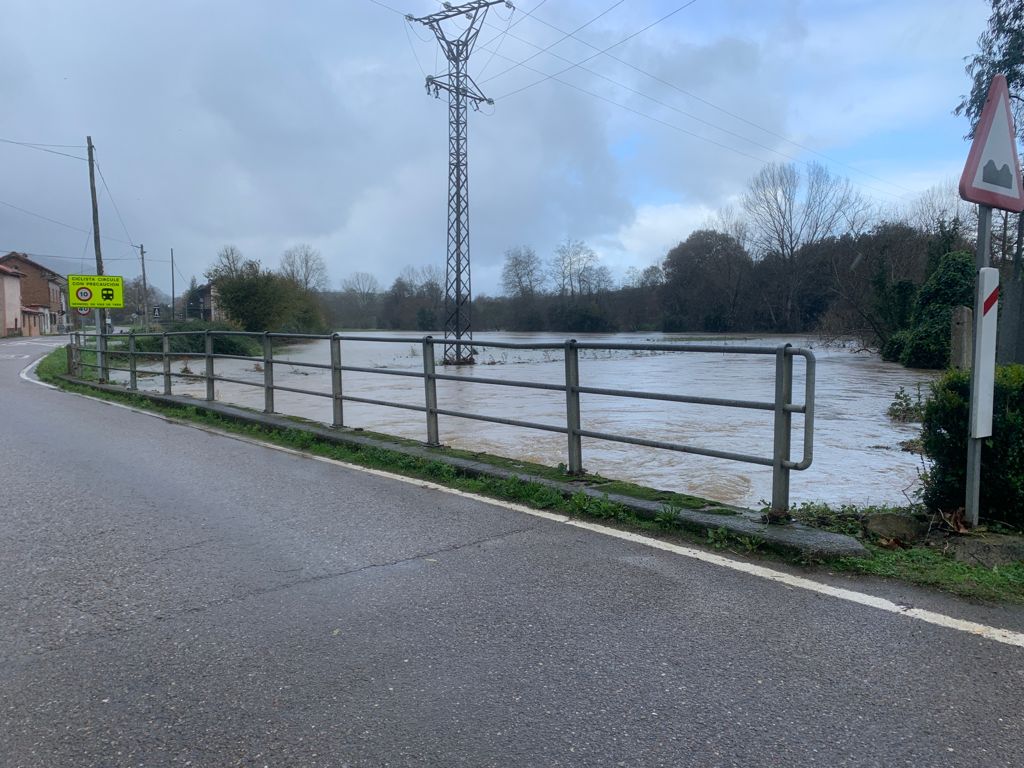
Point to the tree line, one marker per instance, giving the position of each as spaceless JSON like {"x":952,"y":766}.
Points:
{"x":803,"y":252}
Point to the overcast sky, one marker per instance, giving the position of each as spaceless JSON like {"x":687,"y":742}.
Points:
{"x":266,"y":124}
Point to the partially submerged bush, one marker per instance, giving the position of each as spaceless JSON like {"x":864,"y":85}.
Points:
{"x":195,"y":343}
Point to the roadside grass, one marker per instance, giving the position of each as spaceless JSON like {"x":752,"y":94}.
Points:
{"x":931,"y":568}
{"x":919,"y":565}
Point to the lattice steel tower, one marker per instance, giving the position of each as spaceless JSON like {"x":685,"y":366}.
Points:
{"x":458,"y":328}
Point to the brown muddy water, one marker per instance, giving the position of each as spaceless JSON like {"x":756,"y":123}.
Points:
{"x":857,"y":458}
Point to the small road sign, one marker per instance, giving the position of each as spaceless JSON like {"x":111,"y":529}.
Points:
{"x":96,"y":291}
{"x":992,"y":174}
{"x":83,"y":311}
{"x":156,"y":313}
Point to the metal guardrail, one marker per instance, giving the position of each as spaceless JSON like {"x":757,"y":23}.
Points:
{"x":782,"y":406}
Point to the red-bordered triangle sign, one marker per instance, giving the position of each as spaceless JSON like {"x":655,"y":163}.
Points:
{"x":992,"y":174}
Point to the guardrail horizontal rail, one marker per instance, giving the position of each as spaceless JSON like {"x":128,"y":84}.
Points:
{"x":117,"y":348}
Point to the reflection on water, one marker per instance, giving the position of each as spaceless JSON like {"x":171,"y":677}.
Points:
{"x":856,"y":453}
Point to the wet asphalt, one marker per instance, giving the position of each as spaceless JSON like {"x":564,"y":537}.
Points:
{"x":172,"y":597}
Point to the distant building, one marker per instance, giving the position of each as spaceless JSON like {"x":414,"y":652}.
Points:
{"x":204,"y":303}
{"x":10,"y":302}
{"x":43,"y":290}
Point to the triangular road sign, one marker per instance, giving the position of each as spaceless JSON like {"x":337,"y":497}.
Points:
{"x":992,"y":174}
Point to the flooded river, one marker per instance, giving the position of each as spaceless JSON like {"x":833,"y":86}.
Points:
{"x":857,"y":458}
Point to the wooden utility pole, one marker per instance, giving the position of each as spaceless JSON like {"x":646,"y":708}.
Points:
{"x":145,"y":287}
{"x":173,"y":316}
{"x":96,"y":227}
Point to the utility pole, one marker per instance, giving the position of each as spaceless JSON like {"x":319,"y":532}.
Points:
{"x":173,"y":317}
{"x":145,"y":288}
{"x":101,"y":315}
{"x":458,"y":329}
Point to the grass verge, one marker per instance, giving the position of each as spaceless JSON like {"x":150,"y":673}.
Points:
{"x":922,"y":566}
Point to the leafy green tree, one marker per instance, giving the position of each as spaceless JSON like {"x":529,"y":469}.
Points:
{"x":706,"y":280}
{"x":259,"y":299}
{"x":1000,"y":51}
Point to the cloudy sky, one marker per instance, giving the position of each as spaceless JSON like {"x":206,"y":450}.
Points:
{"x":266,"y":124}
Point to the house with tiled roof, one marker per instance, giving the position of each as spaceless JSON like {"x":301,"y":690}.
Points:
{"x":43,"y":292}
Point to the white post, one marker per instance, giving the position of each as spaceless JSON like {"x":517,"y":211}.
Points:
{"x":983,"y":368}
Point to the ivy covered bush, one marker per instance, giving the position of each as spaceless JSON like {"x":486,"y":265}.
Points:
{"x":926,"y":343}
{"x":944,"y":435}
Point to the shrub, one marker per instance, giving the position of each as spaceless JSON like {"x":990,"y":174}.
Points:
{"x":195,"y":344}
{"x":926,"y":343}
{"x":892,"y":349}
{"x":904,"y":408}
{"x":944,"y":434}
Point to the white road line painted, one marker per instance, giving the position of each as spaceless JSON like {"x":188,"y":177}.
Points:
{"x":996,"y":634}
{"x":28,"y":370}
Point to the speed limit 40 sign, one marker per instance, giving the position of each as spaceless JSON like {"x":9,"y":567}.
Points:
{"x":96,"y":291}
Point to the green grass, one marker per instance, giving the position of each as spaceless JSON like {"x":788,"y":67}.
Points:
{"x":931,"y":568}
{"x":919,"y":565}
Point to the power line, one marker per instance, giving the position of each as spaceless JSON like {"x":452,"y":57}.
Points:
{"x":564,"y":37}
{"x":500,"y":39}
{"x":59,"y":223}
{"x":44,"y":147}
{"x":661,"y":103}
{"x":604,"y":50}
{"x":55,"y":256}
{"x":114,"y":203}
{"x":687,"y":132}
{"x":413,"y":49}
{"x":519,"y":21}
{"x":709,"y":103}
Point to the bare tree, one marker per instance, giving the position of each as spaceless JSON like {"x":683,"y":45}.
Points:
{"x":361,"y":285}
{"x":788,"y":210}
{"x":730,"y":222}
{"x":523,"y":273}
{"x":230,"y":263}
{"x":941,"y":202}
{"x":648,"y":277}
{"x":570,"y":265}
{"x":596,"y":278}
{"x":304,"y":266}
{"x":432,"y":274}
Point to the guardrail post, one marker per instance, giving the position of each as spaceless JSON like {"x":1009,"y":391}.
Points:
{"x":76,"y":356}
{"x":781,"y":442}
{"x":430,"y":390}
{"x":208,"y":353}
{"x":572,"y":407}
{"x":268,"y":374}
{"x":166,"y":349}
{"x":339,"y":404}
{"x":101,"y":354}
{"x":133,"y":373}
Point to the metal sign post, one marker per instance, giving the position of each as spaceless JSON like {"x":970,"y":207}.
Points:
{"x":983,"y":368}
{"x":992,"y":179}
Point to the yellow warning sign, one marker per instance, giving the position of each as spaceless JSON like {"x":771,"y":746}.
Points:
{"x":96,"y":291}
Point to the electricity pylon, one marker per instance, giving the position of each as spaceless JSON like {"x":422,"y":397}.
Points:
{"x":457,"y":46}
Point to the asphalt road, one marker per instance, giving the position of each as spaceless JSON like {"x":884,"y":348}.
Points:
{"x":172,"y":597}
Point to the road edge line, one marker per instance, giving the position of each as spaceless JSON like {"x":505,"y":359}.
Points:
{"x":995,"y":634}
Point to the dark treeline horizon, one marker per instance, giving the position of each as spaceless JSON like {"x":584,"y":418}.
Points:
{"x":803,"y":252}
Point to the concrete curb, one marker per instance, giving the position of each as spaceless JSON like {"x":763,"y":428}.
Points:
{"x":791,"y":538}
